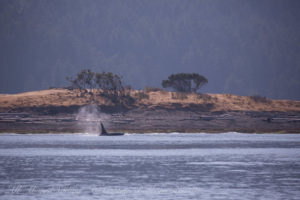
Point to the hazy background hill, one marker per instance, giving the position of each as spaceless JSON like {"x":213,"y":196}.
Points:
{"x":242,"y":47}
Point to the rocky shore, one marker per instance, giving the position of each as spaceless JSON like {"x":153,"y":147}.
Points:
{"x":145,"y":121}
{"x":145,"y":116}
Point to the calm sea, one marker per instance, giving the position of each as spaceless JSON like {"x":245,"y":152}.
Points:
{"x":150,"y":166}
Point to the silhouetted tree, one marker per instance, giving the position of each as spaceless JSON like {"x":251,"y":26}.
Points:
{"x":109,"y":83}
{"x":83,"y":81}
{"x":184,"y":82}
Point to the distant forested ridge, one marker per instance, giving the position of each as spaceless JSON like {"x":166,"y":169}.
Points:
{"x":242,"y":47}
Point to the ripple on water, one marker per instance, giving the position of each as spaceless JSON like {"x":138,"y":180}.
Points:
{"x":155,"y":166}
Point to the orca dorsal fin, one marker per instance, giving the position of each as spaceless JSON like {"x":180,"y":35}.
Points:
{"x":103,"y":131}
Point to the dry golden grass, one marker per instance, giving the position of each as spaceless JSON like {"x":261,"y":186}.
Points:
{"x":221,"y":102}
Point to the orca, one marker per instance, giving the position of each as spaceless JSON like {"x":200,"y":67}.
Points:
{"x":105,"y":133}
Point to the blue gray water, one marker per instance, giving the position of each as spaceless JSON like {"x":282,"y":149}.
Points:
{"x":150,"y":166}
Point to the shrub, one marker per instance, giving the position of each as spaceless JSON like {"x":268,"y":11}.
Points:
{"x":179,"y":95}
{"x":204,"y":97}
{"x":128,"y":88}
{"x":141,"y":95}
{"x":259,"y":99}
{"x":153,"y":89}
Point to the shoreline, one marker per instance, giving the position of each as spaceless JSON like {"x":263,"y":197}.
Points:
{"x":146,"y":133}
{"x":143,"y":121}
{"x":3,"y":132}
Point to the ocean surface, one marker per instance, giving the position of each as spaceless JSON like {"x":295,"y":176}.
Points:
{"x":150,"y":166}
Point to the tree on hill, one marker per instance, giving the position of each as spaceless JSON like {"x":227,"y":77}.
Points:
{"x":83,"y":81}
{"x":185,"y":82}
{"x":108,"y":82}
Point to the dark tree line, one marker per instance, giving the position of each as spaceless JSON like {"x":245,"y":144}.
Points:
{"x":184,"y":82}
{"x":88,"y":81}
{"x":109,"y":85}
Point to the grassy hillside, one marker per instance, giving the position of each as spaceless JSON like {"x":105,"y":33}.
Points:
{"x":63,"y":98}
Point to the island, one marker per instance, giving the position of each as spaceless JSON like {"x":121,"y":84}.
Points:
{"x":151,"y":110}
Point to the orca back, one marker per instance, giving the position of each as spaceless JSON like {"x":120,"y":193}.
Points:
{"x":105,"y":133}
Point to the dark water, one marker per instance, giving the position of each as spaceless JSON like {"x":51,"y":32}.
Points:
{"x":152,"y":166}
